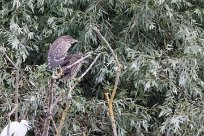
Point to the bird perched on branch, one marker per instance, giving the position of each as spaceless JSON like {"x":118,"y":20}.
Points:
{"x":57,"y":56}
{"x":16,"y":128}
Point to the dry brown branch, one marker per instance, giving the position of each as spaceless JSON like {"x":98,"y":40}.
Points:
{"x":49,"y":117}
{"x":118,"y":72}
{"x":65,"y":112}
{"x":9,"y":120}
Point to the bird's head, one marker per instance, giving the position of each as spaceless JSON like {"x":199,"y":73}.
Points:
{"x":69,"y":39}
{"x":25,"y":124}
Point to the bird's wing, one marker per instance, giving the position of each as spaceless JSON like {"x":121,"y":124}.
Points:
{"x":70,"y":59}
{"x":57,"y":52}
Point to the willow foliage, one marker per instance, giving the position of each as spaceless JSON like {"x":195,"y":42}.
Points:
{"x":158,"y":42}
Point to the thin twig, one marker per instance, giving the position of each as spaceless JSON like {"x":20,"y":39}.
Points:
{"x":53,"y":122}
{"x":78,"y":61}
{"x":87,"y":70}
{"x":47,"y":120}
{"x":65,"y":112}
{"x":7,"y":57}
{"x":118,"y":72}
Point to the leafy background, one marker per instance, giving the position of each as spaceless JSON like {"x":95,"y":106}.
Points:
{"x":158,"y":42}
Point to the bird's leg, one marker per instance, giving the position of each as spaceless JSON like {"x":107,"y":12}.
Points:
{"x":59,"y":72}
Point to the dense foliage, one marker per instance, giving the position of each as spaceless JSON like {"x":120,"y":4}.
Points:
{"x":158,"y":42}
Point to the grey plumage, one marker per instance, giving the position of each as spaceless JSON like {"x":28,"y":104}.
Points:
{"x":58,"y":50}
{"x":57,"y":56}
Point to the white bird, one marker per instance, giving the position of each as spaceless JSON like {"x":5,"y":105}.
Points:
{"x":16,"y":128}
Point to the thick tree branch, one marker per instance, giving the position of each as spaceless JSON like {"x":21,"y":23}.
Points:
{"x":49,"y":117}
{"x":118,"y":72}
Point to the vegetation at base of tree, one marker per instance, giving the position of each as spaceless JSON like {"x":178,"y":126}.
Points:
{"x":160,"y":44}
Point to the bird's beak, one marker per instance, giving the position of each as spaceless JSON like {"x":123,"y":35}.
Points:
{"x":76,"y":41}
{"x":28,"y":127}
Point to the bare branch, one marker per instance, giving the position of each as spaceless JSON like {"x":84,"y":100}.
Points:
{"x":53,"y":122}
{"x":47,"y":120}
{"x":87,"y":70}
{"x":78,"y":61}
{"x":7,"y":57}
{"x":65,"y":112}
{"x":118,"y":72}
